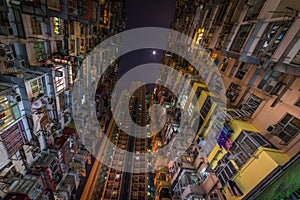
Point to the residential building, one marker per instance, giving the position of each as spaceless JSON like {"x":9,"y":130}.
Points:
{"x":255,"y":46}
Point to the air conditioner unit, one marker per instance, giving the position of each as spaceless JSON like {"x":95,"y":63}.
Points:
{"x":272,"y":130}
{"x":232,"y":96}
{"x":269,"y":86}
{"x":14,"y":98}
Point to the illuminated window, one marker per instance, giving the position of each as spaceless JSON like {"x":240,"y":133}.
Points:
{"x":209,"y":37}
{"x":39,"y":51}
{"x":36,"y":86}
{"x":184,"y":100}
{"x":186,"y":159}
{"x":105,"y":16}
{"x":199,"y":35}
{"x":9,"y":111}
{"x":82,"y":44}
{"x":272,"y":37}
{"x":35,"y":26}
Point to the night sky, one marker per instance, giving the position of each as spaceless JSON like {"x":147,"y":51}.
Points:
{"x":146,"y":13}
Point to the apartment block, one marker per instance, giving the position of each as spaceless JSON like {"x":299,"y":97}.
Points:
{"x":254,"y":44}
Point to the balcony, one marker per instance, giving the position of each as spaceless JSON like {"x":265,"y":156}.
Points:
{"x":266,"y":160}
{"x":192,"y":189}
{"x":202,"y":189}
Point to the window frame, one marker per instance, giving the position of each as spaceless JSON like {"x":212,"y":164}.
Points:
{"x":241,"y":37}
{"x":252,"y":104}
{"x":224,"y":65}
{"x":242,"y":71}
{"x":39,"y":85}
{"x":233,"y":88}
{"x":222,"y":172}
{"x":285,"y":126}
{"x":36,"y":27}
{"x":207,"y":105}
{"x":246,"y":145}
{"x":268,"y":43}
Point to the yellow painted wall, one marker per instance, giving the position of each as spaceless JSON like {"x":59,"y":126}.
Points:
{"x":206,"y":120}
{"x":237,"y":126}
{"x":265,"y":160}
{"x":215,"y":155}
{"x":192,"y":93}
{"x":201,"y":100}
